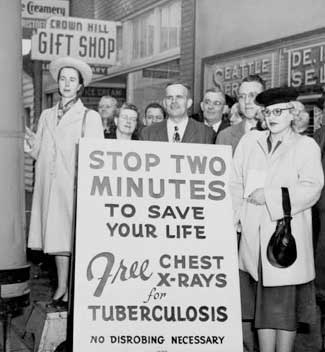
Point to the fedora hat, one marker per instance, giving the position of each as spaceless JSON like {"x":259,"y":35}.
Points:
{"x":82,"y":67}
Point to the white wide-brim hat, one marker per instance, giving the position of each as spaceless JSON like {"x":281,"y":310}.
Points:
{"x":82,"y":67}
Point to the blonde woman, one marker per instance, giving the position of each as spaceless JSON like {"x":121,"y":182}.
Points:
{"x":264,"y":162}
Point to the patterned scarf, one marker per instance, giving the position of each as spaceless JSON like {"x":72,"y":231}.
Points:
{"x":62,"y":109}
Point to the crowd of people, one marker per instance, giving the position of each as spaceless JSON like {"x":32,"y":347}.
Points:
{"x":271,"y":152}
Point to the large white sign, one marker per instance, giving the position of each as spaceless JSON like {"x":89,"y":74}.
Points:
{"x":93,"y":41}
{"x":156,"y":252}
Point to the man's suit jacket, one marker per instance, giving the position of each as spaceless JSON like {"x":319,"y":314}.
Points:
{"x":231,"y":135}
{"x":224,"y":124}
{"x":195,"y":132}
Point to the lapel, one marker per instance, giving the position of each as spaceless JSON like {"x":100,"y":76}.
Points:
{"x":161,"y":131}
{"x":285,"y":145}
{"x":52,"y":118}
{"x":74,"y":115}
{"x":224,"y":124}
{"x":189,"y":131}
{"x":261,"y":141}
{"x":239,"y":130}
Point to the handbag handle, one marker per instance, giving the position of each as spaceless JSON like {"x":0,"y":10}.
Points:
{"x":286,"y":204}
{"x":83,"y":128}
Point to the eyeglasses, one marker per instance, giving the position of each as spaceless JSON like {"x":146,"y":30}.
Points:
{"x":275,"y":112}
{"x":105,"y":106}
{"x":216,"y":102}
{"x":128,"y":118}
{"x":250,"y":95}
{"x":155,"y":118}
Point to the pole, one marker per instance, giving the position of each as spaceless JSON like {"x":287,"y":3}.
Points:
{"x":12,"y":203}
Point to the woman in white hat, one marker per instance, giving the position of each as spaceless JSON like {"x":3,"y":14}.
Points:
{"x":54,"y":148}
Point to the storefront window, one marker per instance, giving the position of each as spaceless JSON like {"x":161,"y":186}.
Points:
{"x":156,"y":31}
{"x":143,"y":36}
{"x":148,"y":85}
{"x":170,"y":16}
{"x":297,"y":61}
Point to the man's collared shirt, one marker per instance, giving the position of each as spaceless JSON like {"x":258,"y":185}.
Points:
{"x":250,"y":125}
{"x":171,"y":128}
{"x":215,"y":126}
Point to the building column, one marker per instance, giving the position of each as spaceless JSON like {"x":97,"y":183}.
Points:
{"x":12,"y":203}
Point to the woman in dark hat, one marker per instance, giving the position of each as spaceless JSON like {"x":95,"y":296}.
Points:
{"x":54,"y":148}
{"x":265,"y":161}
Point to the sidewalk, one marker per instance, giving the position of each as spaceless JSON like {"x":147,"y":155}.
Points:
{"x":41,"y":288}
{"x":42,"y":283}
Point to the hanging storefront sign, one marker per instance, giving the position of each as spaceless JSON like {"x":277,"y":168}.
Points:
{"x":35,"y":12}
{"x":97,"y":70}
{"x":229,"y":73}
{"x":94,"y":92}
{"x":156,"y":254}
{"x":92,"y":41}
{"x":306,"y":65}
{"x":297,"y":61}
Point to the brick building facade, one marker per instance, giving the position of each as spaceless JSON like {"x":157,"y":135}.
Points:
{"x":146,"y":69}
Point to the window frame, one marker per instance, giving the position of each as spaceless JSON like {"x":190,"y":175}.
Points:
{"x":127,"y":46}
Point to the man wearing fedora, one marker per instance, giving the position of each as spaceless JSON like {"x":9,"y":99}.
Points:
{"x":54,"y":148}
{"x":249,"y":88}
{"x":107,"y":107}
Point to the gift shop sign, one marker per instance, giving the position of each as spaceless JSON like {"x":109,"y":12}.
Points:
{"x":156,"y":252}
{"x":93,"y":41}
{"x":306,"y":65}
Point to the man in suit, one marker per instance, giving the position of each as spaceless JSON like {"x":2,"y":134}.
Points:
{"x":107,"y":108}
{"x":178,"y":127}
{"x":213,"y":107}
{"x":248,"y":90}
{"x":153,"y":113}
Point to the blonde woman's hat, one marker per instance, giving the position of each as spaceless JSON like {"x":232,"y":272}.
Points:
{"x":276,"y":95}
{"x":82,"y":67}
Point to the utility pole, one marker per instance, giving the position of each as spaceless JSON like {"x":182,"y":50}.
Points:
{"x":12,"y":203}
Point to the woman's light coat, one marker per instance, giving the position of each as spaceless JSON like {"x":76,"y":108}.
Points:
{"x":55,"y":152}
{"x":295,"y":164}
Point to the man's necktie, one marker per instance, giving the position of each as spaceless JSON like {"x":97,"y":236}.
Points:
{"x":176,"y":137}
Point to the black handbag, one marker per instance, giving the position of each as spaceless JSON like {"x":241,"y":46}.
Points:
{"x":282,"y":249}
